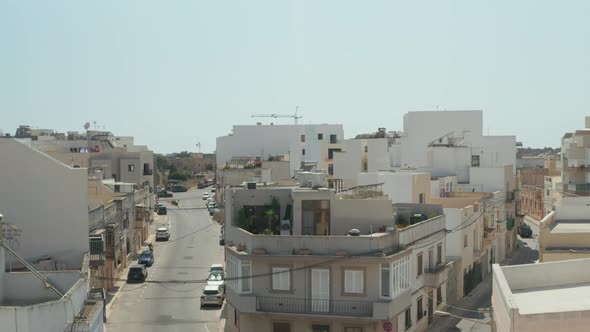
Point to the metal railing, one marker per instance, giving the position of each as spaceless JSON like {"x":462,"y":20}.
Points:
{"x":314,"y":306}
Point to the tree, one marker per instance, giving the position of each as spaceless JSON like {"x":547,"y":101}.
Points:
{"x":209,"y":167}
{"x":161,"y":162}
{"x":183,"y":154}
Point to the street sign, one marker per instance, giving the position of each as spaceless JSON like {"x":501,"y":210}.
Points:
{"x":387,"y":327}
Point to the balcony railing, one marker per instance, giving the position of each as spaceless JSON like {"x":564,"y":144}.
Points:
{"x":314,"y":306}
{"x":148,"y":172}
{"x":435,"y":276}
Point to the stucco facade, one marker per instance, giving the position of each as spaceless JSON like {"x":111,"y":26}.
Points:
{"x":542,"y":297}
{"x":48,"y":201}
{"x":401,"y":187}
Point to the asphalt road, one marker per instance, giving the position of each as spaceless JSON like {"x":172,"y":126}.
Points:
{"x":170,"y":299}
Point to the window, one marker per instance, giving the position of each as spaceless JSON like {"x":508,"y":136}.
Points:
{"x":238,"y":273}
{"x":320,"y":328}
{"x":421,"y":198}
{"x":366,"y":148}
{"x":408,"y":318}
{"x":302,"y":138}
{"x":281,"y":327}
{"x":547,"y":192}
{"x":353,"y":329}
{"x":465,"y":241}
{"x":419,"y":309}
{"x":439,"y":298}
{"x":400,"y":270}
{"x":303,"y":152}
{"x":281,"y":279}
{"x":320,"y":137}
{"x":385,"y":280}
{"x":331,"y":153}
{"x":354,"y":281}
{"x":333,"y":139}
{"x":131,"y":168}
{"x":246,"y":272}
{"x":475,"y":161}
{"x":331,"y":169}
{"x":365,"y":166}
{"x":438,"y":254}
{"x":235,"y":317}
{"x":419,"y":265}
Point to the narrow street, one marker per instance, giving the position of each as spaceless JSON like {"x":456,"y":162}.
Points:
{"x":527,"y":252}
{"x":170,"y":299}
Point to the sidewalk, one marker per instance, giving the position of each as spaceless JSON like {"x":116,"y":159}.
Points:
{"x":113,"y":293}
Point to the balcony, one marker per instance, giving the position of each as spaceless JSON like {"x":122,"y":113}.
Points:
{"x":434,"y":277}
{"x":148,"y":172}
{"x":311,"y":244}
{"x":97,"y":251}
{"x":314,"y":307}
{"x":489,"y":235}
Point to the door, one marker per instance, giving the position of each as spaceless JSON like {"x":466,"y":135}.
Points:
{"x":320,"y":290}
{"x":430,"y":307}
{"x":431,"y":263}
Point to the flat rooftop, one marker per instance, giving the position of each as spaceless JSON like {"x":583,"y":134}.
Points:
{"x":571,"y":226}
{"x":553,"y":299}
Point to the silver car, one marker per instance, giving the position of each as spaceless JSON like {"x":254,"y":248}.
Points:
{"x":212,"y":295}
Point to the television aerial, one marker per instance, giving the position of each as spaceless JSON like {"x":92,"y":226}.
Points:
{"x":87,"y":125}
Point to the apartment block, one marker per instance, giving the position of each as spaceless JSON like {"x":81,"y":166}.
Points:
{"x":46,"y":203}
{"x":306,"y":146}
{"x":542,"y":297}
{"x":401,"y":186}
{"x":314,"y":265}
{"x":575,"y":159}
{"x":478,"y":234}
{"x":114,"y":157}
{"x":360,"y":156}
{"x":564,"y":233}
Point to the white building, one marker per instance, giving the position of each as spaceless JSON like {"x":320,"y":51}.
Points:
{"x":400,"y":187}
{"x":28,"y":304}
{"x":542,"y":297}
{"x":313,"y":144}
{"x":47,"y":201}
{"x":421,"y":128}
{"x":360,"y":156}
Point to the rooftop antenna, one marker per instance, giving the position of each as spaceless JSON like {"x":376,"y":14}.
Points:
{"x":199,"y":146}
{"x":87,"y":125}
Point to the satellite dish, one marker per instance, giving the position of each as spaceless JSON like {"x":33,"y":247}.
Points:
{"x":87,"y":125}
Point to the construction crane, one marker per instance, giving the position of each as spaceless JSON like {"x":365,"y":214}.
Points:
{"x":294,"y":116}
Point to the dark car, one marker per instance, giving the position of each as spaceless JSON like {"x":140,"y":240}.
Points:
{"x":146,"y":258}
{"x":164,"y":194}
{"x":137,"y":273}
{"x":178,"y":189}
{"x":161,"y":210}
{"x":524,"y":231}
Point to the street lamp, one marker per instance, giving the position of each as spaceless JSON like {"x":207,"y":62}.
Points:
{"x":477,"y":321}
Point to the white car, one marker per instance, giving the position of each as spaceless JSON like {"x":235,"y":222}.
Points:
{"x":216,"y":267}
{"x":212,"y":294}
{"x":162,"y":233}
{"x":205,"y":196}
{"x":216,"y":278}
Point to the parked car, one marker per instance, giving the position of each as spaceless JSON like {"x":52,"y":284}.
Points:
{"x":205,"y":196}
{"x":146,"y":258}
{"x":212,"y":294}
{"x":525,"y":231}
{"x":137,"y":273}
{"x":212,"y":189}
{"x":164,"y":194}
{"x":216,"y":267}
{"x":162,"y":233}
{"x":211,"y":205}
{"x":213,"y":211}
{"x":216,"y":278}
{"x":162,"y":210}
{"x":178,"y":189}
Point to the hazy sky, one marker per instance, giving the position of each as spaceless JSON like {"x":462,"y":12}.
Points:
{"x":174,"y":73}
